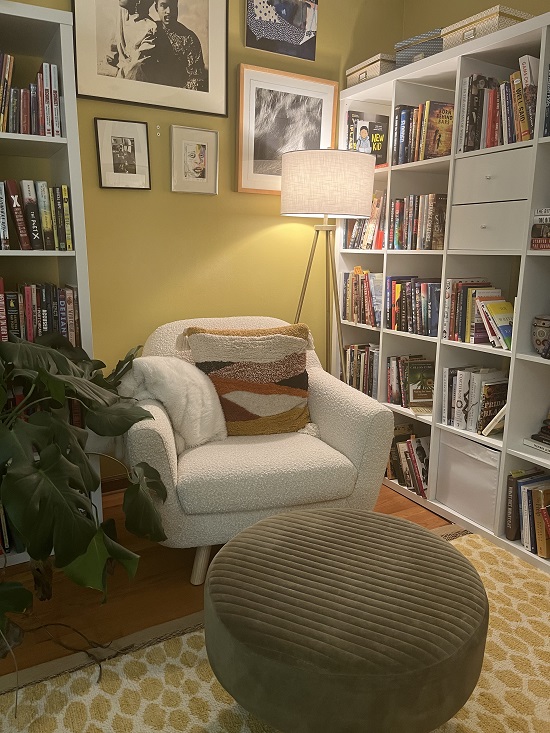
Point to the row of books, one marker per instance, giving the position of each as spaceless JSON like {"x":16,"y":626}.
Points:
{"x":409,"y":459}
{"x":475,"y":312}
{"x":40,"y":214}
{"x":411,"y":382}
{"x":368,"y":233}
{"x":495,"y":112}
{"x":540,"y":229}
{"x":37,"y":309}
{"x":368,"y":136}
{"x":362,"y":297}
{"x":422,"y":132}
{"x":527,"y":509}
{"x":361,"y":368}
{"x":417,"y":221}
{"x":412,"y":304}
{"x":472,"y":397}
{"x":35,"y":110}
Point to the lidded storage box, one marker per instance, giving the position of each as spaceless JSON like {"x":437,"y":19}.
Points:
{"x":493,"y":19}
{"x":375,"y":66}
{"x":418,"y":47}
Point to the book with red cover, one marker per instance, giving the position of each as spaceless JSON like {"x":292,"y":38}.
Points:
{"x":3,"y":314}
{"x":13,"y":195}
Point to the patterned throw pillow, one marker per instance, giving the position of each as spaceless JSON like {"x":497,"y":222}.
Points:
{"x":259,"y":374}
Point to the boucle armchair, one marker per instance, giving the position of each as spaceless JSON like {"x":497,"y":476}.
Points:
{"x":217,"y":489}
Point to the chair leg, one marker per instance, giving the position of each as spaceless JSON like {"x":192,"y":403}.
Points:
{"x":200,"y":565}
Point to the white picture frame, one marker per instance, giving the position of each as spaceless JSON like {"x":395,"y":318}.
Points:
{"x":101,"y":68}
{"x":123,"y":154}
{"x":307,"y":121}
{"x":194,"y":160}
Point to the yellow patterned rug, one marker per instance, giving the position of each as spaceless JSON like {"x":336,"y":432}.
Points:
{"x":168,"y":686}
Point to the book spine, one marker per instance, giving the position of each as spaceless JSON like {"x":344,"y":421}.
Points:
{"x":417,"y":476}
{"x":67,"y":217}
{"x":4,"y":231}
{"x":503,"y":123}
{"x":40,"y":101}
{"x":33,"y":109}
{"x":512,"y":509}
{"x":461,"y":132}
{"x":6,"y":87}
{"x":424,"y":131}
{"x":3,"y":314}
{"x":545,"y":513}
{"x":56,"y":111}
{"x":510,"y":116}
{"x":47,"y":88}
{"x":525,"y":525}
{"x":462,"y":389}
{"x":25,"y":112}
{"x":60,"y":218}
{"x":31,"y":214}
{"x":520,"y":105}
{"x":536,"y":444}
{"x":14,"y":204}
{"x":542,"y":540}
{"x":51,"y":196}
{"x":43,"y":198}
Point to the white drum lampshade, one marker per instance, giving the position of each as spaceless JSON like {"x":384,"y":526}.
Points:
{"x":327,"y":183}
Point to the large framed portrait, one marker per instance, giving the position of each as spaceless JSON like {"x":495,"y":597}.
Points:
{"x":194,"y":160}
{"x":122,"y":153}
{"x":280,"y":112}
{"x":164,"y":53}
{"x":288,"y":27}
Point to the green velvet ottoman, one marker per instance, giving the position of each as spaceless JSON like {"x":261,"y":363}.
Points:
{"x":343,"y":621}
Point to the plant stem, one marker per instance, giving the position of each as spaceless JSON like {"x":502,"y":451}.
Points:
{"x":106,"y":455}
{"x":21,"y":408}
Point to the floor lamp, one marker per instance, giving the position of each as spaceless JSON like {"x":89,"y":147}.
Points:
{"x":327,"y":184}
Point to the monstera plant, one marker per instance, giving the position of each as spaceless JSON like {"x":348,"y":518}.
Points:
{"x":47,"y":478}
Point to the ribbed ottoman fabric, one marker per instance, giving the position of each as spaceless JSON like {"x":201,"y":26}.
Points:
{"x":344,"y":621}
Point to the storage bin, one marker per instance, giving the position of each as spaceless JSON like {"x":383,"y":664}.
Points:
{"x":467,"y":478}
{"x":499,"y":176}
{"x":488,"y":21}
{"x":418,"y":47}
{"x":375,"y":66}
{"x":495,"y":227}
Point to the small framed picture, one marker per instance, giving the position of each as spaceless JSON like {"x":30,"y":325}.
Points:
{"x":123,"y":154}
{"x":288,"y":27}
{"x":194,"y":160}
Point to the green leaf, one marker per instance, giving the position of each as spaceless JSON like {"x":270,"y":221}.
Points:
{"x":89,"y":570}
{"x":46,"y":502}
{"x":142,"y":516}
{"x":14,"y":598}
{"x":123,"y":366}
{"x":83,"y":389}
{"x":27,"y":355}
{"x":115,"y":419}
{"x":19,"y":443}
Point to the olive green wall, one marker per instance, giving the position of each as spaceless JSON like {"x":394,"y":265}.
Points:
{"x":156,"y":256}
{"x":423,"y":15}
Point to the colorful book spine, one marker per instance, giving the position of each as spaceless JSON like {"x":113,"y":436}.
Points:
{"x":4,"y":231}
{"x":32,"y":214}
{"x":3,"y":314}
{"x":13,"y":195}
{"x":56,"y":110}
{"x":67,"y":217}
{"x":43,"y":198}
{"x":47,"y":91}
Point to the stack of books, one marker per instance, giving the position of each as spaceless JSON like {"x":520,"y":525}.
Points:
{"x":362,"y":368}
{"x":541,"y":439}
{"x":423,"y":132}
{"x":474,"y":398}
{"x":412,"y":304}
{"x":418,"y":221}
{"x":362,"y":297}
{"x":540,"y":230}
{"x":408,"y":463}
{"x":498,"y":112}
{"x":527,"y":505}
{"x":368,"y":233}
{"x":411,"y":382}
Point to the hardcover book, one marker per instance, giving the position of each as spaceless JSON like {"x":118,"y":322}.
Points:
{"x":43,"y":198}
{"x":421,"y":375}
{"x":439,"y":129}
{"x":502,"y":316}
{"x":493,"y":397}
{"x":4,"y":231}
{"x":32,"y":214}
{"x":13,"y":194}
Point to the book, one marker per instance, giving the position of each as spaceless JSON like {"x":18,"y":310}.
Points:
{"x":540,"y":494}
{"x":7,"y":72}
{"x":479,"y":378}
{"x":496,"y":425}
{"x":537,"y":444}
{"x":501,"y":314}
{"x":4,"y":230}
{"x":3,"y":313}
{"x":517,"y":91}
{"x":419,"y":451}
{"x":378,"y":133}
{"x":512,"y":529}
{"x":32,"y":214}
{"x":56,"y":110}
{"x":59,"y":218}
{"x":67,"y":217}
{"x":493,"y":397}
{"x":401,"y":433}
{"x":13,"y":194}
{"x":421,"y":375}
{"x":545,"y":514}
{"x":352,"y":118}
{"x":43,"y":199}
{"x":47,"y":96}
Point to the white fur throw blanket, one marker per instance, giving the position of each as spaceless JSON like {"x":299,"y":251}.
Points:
{"x":187,"y":394}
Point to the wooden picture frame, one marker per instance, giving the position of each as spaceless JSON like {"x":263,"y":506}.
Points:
{"x":194,"y":160}
{"x":289,"y":28}
{"x":184,"y":69}
{"x":279,"y":112}
{"x":122,"y":154}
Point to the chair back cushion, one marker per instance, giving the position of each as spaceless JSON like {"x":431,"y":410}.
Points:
{"x":259,"y":374}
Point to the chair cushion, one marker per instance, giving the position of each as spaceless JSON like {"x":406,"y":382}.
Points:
{"x":259,"y":374}
{"x":249,"y":473}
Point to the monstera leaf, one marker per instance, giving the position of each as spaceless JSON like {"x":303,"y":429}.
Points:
{"x":142,"y":517}
{"x":27,"y":355}
{"x":14,"y":598}
{"x":115,"y":419}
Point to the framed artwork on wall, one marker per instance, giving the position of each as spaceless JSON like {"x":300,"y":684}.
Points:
{"x":194,"y":160}
{"x":164,"y":53}
{"x":288,"y":27}
{"x":122,"y":153}
{"x":280,"y":112}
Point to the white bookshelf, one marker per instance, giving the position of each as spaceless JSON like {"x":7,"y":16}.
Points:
{"x":33,"y":35}
{"x":492,"y":194}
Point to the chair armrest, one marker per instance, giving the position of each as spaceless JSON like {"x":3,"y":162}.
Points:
{"x":355,"y":425}
{"x":152,"y":441}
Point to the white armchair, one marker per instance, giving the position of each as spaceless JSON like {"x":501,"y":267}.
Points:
{"x":217,"y":489}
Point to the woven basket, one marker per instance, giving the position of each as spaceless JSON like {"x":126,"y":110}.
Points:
{"x":375,"y":66}
{"x":493,"y":19}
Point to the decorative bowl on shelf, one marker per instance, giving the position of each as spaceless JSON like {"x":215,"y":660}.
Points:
{"x":540,"y":333}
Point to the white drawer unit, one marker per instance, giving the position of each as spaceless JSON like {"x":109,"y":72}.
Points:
{"x":502,"y":176}
{"x":488,"y":227}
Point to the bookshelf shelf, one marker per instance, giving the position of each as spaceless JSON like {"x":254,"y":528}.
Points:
{"x":30,"y":146}
{"x":362,"y":251}
{"x":36,"y":253}
{"x":491,"y":196}
{"x":364,"y":326}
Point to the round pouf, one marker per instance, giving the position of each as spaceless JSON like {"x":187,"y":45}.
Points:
{"x":345,"y":622}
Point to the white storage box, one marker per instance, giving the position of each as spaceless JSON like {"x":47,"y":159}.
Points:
{"x":467,"y":478}
{"x":488,"y":21}
{"x":375,"y":66}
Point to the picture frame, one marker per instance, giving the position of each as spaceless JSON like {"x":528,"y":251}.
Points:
{"x":159,"y":70}
{"x":194,"y":160}
{"x":287,"y":28}
{"x":122,"y":154}
{"x":279,"y":112}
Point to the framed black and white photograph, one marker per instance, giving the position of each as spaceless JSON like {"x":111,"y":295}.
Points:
{"x":165,"y":53}
{"x":288,"y":27}
{"x":280,"y":112}
{"x":123,"y":154}
{"x":194,"y":160}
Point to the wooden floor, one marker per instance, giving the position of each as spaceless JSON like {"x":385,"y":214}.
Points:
{"x":160,"y":592}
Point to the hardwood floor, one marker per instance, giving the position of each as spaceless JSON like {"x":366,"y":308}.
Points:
{"x":160,"y":592}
